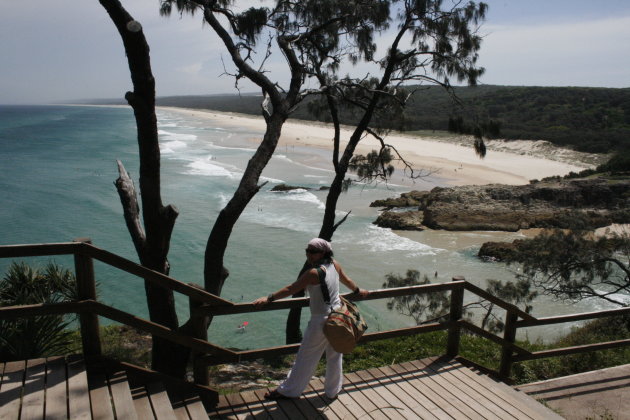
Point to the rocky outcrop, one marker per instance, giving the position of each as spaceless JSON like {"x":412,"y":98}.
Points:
{"x":591,"y":203}
{"x":498,"y":251}
{"x":410,"y":199}
{"x":285,"y":187}
{"x":397,"y":220}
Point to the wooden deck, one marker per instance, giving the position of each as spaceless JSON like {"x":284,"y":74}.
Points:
{"x":61,"y":388}
{"x":424,"y":389}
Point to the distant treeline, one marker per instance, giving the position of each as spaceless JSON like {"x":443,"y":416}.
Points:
{"x":585,"y":119}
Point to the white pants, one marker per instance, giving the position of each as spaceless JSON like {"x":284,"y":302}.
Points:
{"x":313,"y":345}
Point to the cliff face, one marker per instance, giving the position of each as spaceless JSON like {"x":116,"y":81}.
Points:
{"x":590,"y":202}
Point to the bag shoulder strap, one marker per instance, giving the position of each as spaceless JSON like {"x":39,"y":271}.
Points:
{"x":321,"y":273}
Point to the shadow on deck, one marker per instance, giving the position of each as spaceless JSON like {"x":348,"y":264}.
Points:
{"x":435,"y":388}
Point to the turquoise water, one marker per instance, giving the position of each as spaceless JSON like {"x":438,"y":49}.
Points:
{"x":59,"y":164}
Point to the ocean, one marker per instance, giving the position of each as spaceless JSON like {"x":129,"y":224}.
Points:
{"x":58,"y":167}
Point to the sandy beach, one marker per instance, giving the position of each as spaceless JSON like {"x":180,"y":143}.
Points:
{"x":514,"y":162}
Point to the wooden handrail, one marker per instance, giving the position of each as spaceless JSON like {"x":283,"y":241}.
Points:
{"x":492,"y":337}
{"x":573,"y":317}
{"x":209,"y":304}
{"x":152,"y":276}
{"x":38,"y":250}
{"x":572,"y":350}
{"x":42,"y":309}
{"x":500,"y":303}
{"x":240,"y":308}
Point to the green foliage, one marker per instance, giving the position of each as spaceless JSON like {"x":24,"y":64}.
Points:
{"x":517,"y":293}
{"x":395,"y":350}
{"x":619,"y":164}
{"x":39,"y":336}
{"x":376,"y":165}
{"x":597,"y":331}
{"x":570,"y":265}
{"x":523,"y":112}
{"x":119,"y":342}
{"x":421,"y":307}
{"x":432,"y":307}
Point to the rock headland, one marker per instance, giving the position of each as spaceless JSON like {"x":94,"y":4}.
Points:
{"x":590,"y":203}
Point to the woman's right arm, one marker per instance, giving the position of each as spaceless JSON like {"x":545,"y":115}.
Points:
{"x":350,"y":284}
{"x":309,"y":277}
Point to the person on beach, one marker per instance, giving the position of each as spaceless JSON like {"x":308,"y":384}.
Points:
{"x":314,"y":343}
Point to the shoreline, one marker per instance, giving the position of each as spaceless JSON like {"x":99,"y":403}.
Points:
{"x":512,"y":163}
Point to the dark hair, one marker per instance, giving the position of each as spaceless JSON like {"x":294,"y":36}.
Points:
{"x":327,"y":258}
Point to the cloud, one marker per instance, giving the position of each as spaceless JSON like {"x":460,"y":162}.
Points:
{"x":587,"y":53}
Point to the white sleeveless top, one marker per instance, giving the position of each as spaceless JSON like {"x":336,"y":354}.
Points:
{"x":317,"y":304}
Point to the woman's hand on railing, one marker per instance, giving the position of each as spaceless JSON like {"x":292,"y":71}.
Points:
{"x":261,"y":301}
{"x":362,"y":293}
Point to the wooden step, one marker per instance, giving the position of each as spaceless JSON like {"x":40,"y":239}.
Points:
{"x":61,"y":388}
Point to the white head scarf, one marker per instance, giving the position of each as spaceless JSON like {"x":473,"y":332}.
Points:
{"x":321,"y":244}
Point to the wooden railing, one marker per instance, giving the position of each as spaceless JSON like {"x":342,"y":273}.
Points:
{"x":203,"y":304}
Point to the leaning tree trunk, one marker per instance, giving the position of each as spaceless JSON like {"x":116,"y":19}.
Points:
{"x":151,"y":242}
{"x":214,"y":271}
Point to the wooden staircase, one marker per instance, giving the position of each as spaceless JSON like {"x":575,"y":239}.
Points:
{"x":62,"y":388}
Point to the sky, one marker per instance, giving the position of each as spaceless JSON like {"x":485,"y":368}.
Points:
{"x":65,"y":50}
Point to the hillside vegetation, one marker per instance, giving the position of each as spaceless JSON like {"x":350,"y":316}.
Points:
{"x":593,"y":120}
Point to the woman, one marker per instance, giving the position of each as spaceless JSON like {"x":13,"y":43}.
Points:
{"x":314,"y":343}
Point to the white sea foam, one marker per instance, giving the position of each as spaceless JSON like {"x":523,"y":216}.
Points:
{"x":168,"y":135}
{"x":175,"y":144}
{"x":272,"y":180}
{"x":233,"y":148}
{"x":300,"y":194}
{"x":206,"y":168}
{"x":379,"y":240}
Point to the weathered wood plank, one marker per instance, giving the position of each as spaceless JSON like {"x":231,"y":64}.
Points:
{"x":405,"y":394}
{"x":370,"y":400}
{"x":306,"y":404}
{"x":394,"y":399}
{"x":11,"y":391}
{"x":329,"y":408}
{"x":515,"y":403}
{"x":465,"y":385}
{"x":288,"y":408}
{"x":141,"y":403}
{"x":240,"y":409}
{"x":224,"y":409}
{"x":344,"y":401}
{"x":121,"y":396}
{"x":195,"y":408}
{"x":34,"y":390}
{"x":78,"y":393}
{"x":482,"y":412}
{"x":253,"y":403}
{"x":535,"y":409}
{"x":423,"y":381}
{"x":56,"y":395}
{"x":180,"y":412}
{"x":408,"y":391}
{"x":159,"y":400}
{"x":99,"y":397}
{"x":271,"y":408}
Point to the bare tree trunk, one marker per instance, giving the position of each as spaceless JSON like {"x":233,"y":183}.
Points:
{"x":214,"y":271}
{"x":151,"y":243}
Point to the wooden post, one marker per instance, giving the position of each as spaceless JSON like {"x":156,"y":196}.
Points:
{"x":509,"y":335}
{"x":86,"y":290}
{"x":199,"y":326}
{"x":457,"y":303}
